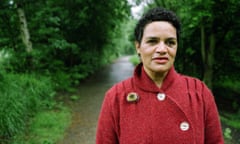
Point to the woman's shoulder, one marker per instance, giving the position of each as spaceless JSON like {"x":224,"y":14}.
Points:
{"x":197,"y":89}
{"x":117,"y":93}
{"x":190,"y":78}
{"x":121,"y":87}
{"x":194,"y":83}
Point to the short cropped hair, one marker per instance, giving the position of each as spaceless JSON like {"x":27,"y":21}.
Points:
{"x":156,"y":14}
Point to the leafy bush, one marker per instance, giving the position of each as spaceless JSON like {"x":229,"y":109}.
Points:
{"x":232,"y":120}
{"x":134,"y":60}
{"x":21,"y":96}
{"x":227,"y":91}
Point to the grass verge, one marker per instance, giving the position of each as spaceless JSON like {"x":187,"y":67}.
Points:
{"x":47,"y":127}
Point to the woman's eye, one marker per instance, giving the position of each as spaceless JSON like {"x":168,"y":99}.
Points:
{"x":170,"y":43}
{"x":152,"y":41}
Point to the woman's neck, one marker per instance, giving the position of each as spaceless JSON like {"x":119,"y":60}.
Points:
{"x":157,"y":77}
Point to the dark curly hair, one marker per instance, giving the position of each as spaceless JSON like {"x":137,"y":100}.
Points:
{"x":156,"y":14}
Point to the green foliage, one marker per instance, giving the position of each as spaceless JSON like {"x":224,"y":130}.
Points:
{"x":232,"y":120}
{"x":227,"y":133}
{"x":232,"y":126}
{"x":227,"y":93}
{"x":21,"y":96}
{"x":134,"y":59}
{"x":122,"y":38}
{"x":61,"y":80}
{"x":222,"y":23}
{"x":47,"y":127}
{"x":70,"y":39}
{"x":75,"y":37}
{"x":74,"y":97}
{"x":231,"y":83}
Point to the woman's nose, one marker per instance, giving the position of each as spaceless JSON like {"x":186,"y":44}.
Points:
{"x":161,"y":48}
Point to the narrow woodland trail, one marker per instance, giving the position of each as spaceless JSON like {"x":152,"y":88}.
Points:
{"x":91,"y":92}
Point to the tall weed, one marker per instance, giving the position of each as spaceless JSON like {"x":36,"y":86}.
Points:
{"x":21,"y":96}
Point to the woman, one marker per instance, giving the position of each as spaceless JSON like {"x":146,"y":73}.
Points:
{"x":157,"y":105}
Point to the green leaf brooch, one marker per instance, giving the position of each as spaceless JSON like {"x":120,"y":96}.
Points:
{"x":132,"y":97}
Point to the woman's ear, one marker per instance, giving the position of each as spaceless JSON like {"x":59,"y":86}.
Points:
{"x":137,"y":46}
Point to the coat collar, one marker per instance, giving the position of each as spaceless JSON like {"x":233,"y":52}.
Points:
{"x":144,"y":82}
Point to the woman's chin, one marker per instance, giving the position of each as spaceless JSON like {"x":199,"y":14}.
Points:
{"x":161,"y":68}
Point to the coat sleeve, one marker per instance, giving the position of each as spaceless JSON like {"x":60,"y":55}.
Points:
{"x":213,"y":130}
{"x":106,"y":129}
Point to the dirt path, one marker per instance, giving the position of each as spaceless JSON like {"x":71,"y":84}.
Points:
{"x":86,"y":108}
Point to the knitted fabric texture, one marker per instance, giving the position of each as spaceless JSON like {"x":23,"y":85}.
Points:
{"x":182,"y":111}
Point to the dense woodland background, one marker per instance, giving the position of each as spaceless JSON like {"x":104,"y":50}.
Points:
{"x":48,"y":46}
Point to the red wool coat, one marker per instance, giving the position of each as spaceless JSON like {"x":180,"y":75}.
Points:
{"x":182,"y":111}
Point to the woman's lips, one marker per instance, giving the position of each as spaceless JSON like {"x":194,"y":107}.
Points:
{"x":160,"y":60}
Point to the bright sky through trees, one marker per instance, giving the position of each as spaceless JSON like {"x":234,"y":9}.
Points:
{"x":136,"y":10}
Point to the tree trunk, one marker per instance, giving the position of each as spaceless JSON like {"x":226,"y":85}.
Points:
{"x":207,"y":57}
{"x":203,"y":53}
{"x":24,"y":30}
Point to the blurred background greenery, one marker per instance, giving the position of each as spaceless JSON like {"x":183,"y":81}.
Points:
{"x":51,"y":45}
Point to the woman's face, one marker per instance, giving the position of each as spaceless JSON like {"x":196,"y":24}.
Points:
{"x":158,"y":47}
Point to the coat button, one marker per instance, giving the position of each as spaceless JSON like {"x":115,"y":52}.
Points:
{"x":184,"y":126}
{"x":161,"y":96}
